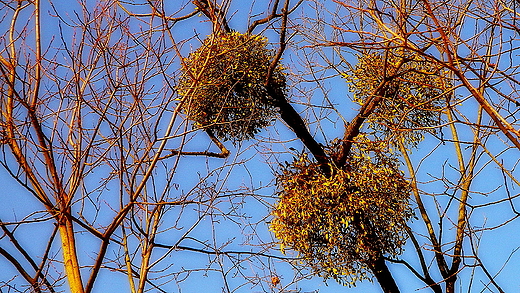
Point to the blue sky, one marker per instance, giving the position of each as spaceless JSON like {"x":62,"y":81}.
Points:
{"x":239,"y":221}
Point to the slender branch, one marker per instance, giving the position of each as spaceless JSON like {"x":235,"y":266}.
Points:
{"x":266,"y":19}
{"x":439,"y":256}
{"x":436,"y":287}
{"x":370,"y":105}
{"x":29,"y":259}
{"x":273,"y":15}
{"x":21,"y":270}
{"x":427,"y":277}
{"x":353,"y":128}
{"x":213,"y":13}
{"x":225,"y":252}
{"x":288,"y":114}
{"x":157,"y":13}
{"x":507,"y":129}
{"x":224,"y":152}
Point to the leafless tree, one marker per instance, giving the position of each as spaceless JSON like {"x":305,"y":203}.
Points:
{"x":115,"y":181}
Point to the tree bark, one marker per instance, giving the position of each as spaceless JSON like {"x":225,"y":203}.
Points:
{"x":383,"y":275}
{"x":70,"y":257}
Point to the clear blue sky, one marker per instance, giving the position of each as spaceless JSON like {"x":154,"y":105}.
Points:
{"x":245,"y":228}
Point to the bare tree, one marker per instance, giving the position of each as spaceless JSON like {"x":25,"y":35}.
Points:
{"x":93,"y":129}
{"x":129,"y":127}
{"x":442,"y":93}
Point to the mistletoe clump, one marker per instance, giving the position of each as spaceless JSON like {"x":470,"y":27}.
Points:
{"x":342,"y":222}
{"x":225,"y":83}
{"x":413,"y":90}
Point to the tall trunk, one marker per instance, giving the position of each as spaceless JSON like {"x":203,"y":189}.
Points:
{"x":377,"y":262}
{"x":70,"y":257}
{"x":450,"y":283}
{"x":383,"y":275}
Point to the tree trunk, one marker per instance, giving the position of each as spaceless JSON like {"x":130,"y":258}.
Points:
{"x":383,"y":275}
{"x":70,"y":257}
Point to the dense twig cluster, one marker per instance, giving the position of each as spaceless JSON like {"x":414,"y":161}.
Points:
{"x":413,"y":91}
{"x":340,"y":224}
{"x":224,"y":81}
